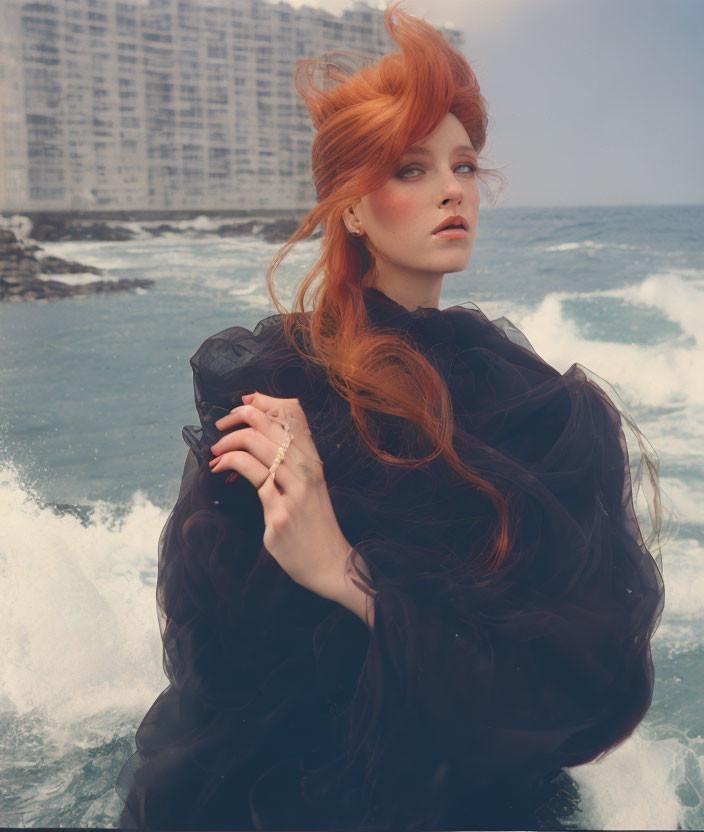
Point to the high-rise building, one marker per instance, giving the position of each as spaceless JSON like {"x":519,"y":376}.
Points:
{"x":164,"y":104}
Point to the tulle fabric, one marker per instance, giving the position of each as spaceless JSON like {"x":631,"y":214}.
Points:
{"x":463,"y":706}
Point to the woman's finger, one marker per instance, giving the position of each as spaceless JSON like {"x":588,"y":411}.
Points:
{"x":251,"y":442}
{"x":301,"y":455}
{"x":291,"y":407}
{"x":264,"y":402}
{"x":250,"y":439}
{"x":290,"y":410}
{"x":263,"y":442}
{"x":246,"y":414}
{"x":243,"y":463}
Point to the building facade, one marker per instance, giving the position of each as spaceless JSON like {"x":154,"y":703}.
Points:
{"x":164,"y":104}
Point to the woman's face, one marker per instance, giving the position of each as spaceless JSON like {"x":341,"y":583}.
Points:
{"x":399,"y":218}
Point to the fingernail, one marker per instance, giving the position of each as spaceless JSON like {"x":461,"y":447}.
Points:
{"x":247,"y":397}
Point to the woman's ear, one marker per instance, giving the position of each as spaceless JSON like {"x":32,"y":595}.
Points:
{"x":351,"y":221}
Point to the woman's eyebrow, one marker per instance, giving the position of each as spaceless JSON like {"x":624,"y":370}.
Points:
{"x":416,"y":148}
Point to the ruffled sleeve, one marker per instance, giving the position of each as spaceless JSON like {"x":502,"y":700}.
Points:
{"x":221,"y":603}
{"x":474,"y":695}
{"x":226,"y":366}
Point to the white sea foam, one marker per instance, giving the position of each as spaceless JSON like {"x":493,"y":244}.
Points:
{"x":586,"y":244}
{"x":658,"y":375}
{"x":181,"y":264}
{"x":80,"y":634}
{"x":687,"y":498}
{"x":199,"y":225}
{"x":76,"y":279}
{"x":19,"y":224}
{"x":101,"y":255}
{"x":684,"y":584}
{"x":635,"y":785}
{"x":590,"y":246}
{"x":677,"y":293}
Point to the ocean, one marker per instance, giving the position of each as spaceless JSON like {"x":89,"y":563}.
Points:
{"x":94,"y":391}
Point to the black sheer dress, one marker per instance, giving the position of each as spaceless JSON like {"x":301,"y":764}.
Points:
{"x":464,"y":704}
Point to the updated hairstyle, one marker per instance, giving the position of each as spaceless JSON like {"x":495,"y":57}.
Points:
{"x":364,"y":119}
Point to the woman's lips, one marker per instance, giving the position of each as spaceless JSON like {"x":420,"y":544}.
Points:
{"x":451,"y":233}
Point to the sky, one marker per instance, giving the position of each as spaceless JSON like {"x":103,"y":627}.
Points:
{"x":591,"y":102}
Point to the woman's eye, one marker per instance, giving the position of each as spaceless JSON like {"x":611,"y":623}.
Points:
{"x":405,"y":171}
{"x":472,"y":168}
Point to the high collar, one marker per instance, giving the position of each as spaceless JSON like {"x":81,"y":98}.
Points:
{"x":430,"y":328}
{"x":383,"y":310}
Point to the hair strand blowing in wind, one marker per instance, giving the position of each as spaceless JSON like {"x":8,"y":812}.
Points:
{"x":364,"y":119}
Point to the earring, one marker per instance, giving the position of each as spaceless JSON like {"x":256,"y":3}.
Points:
{"x":357,"y":233}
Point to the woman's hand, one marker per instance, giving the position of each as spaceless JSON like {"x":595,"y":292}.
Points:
{"x":301,"y":530}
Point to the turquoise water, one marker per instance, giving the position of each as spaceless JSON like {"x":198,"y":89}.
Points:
{"x":93,"y":394}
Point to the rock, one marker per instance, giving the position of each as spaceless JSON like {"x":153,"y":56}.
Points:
{"x":54,"y":228}
{"x":80,"y":512}
{"x":38,"y":289}
{"x":48,"y":227}
{"x":280,"y":230}
{"x":55,"y":265}
{"x":164,"y":228}
{"x":272,"y":231}
{"x":236,"y":229}
{"x":20,"y":274}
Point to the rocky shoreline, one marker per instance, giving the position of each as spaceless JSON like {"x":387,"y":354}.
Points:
{"x":23,"y":273}
{"x":58,"y":228}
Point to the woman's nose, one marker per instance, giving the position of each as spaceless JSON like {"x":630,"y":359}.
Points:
{"x":451,"y":188}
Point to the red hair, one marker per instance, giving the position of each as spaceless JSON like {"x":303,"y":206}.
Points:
{"x":364,"y":120}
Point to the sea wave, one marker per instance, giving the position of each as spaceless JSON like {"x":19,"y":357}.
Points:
{"x":79,"y":629}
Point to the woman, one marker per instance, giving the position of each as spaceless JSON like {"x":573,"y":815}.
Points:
{"x":403,"y":586}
